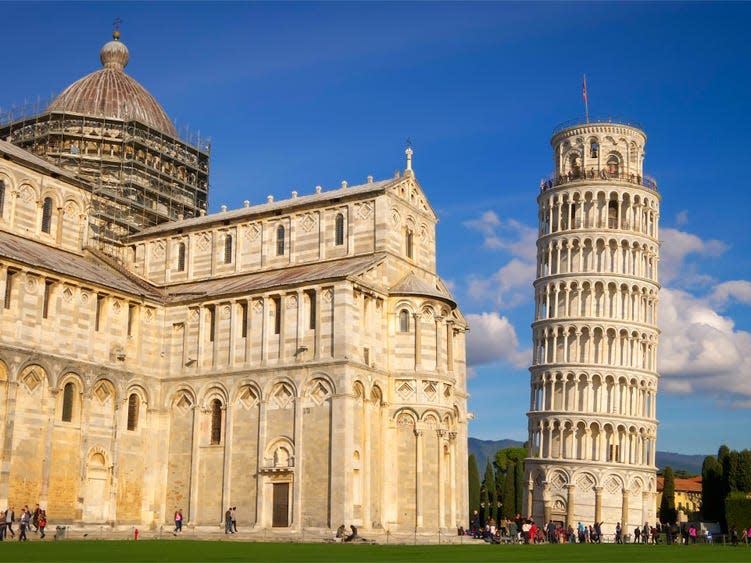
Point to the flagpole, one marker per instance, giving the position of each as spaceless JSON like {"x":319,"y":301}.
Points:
{"x":586,"y":97}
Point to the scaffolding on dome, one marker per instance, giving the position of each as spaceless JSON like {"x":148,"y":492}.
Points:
{"x":139,"y":176}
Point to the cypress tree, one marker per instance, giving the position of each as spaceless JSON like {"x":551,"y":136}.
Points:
{"x":519,"y":486}
{"x":667,"y":504}
{"x":731,"y":472}
{"x":473,"y":476}
{"x":489,"y":484}
{"x":509,"y":491}
{"x":711,"y":490}
{"x":744,"y":471}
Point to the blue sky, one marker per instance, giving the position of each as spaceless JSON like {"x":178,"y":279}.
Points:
{"x":295,"y":95}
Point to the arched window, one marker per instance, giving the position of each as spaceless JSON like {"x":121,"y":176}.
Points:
{"x":280,"y":240}
{"x":594,"y":148}
{"x":181,"y":257}
{"x":228,"y":249}
{"x":403,"y":320}
{"x":408,"y":238}
{"x":46,"y":214}
{"x":133,"y":407}
{"x":216,"y":422}
{"x":68,"y":391}
{"x":2,"y":197}
{"x":339,"y":229}
{"x":613,"y":164}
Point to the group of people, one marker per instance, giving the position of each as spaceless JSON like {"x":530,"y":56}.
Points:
{"x":27,"y":519}
{"x":342,"y":535}
{"x":230,"y":520}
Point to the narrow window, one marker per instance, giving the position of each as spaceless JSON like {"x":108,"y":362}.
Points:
{"x":9,"y":276}
{"x":277,"y":314}
{"x":181,"y":257}
{"x":131,"y":318}
{"x":244,"y":320}
{"x":99,"y":309}
{"x":216,"y":422}
{"x":212,"y":323}
{"x":280,"y":241}
{"x":403,"y":320}
{"x":228,"y":249}
{"x":593,"y":149}
{"x":47,"y":298}
{"x":2,"y":197}
{"x":46,"y":215}
{"x":68,"y":402}
{"x":408,"y":243}
{"x":339,"y":229}
{"x":366,"y":356}
{"x":311,"y":309}
{"x":133,"y":406}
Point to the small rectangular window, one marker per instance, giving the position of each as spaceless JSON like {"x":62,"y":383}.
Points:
{"x":311,"y":310}
{"x":212,"y":323}
{"x":243,"y":320}
{"x":366,"y":356}
{"x":9,"y":277}
{"x":2,"y":198}
{"x":277,"y":314}
{"x":47,"y":299}
{"x":99,"y":310}
{"x":131,"y":318}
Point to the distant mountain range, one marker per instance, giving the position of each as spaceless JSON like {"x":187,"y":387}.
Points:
{"x":485,"y":449}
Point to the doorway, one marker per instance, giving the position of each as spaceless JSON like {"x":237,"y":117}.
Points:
{"x":280,"y":515}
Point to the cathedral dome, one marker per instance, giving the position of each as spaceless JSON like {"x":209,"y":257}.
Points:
{"x":109,"y":92}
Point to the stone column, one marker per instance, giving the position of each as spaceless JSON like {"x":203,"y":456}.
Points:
{"x":624,"y":512}
{"x":261,"y":482}
{"x":450,"y":346}
{"x":452,"y":477}
{"x":418,"y":341}
{"x":299,"y":464}
{"x":194,"y":465}
{"x":530,"y":497}
{"x":598,"y":504}
{"x":227,"y":482}
{"x":418,"y":478}
{"x":547,"y":505}
{"x":571,"y":505}
{"x":441,"y":479}
{"x":438,"y":345}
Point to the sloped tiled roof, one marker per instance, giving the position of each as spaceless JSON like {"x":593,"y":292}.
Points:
{"x":412,"y":285}
{"x":246,"y":283}
{"x":86,"y":268}
{"x":38,"y":163}
{"x":690,"y":485}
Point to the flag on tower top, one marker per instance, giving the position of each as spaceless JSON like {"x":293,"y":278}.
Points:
{"x":585,"y":97}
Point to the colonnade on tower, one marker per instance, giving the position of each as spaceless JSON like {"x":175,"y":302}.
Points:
{"x":592,"y":414}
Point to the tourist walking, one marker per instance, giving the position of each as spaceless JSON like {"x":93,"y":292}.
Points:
{"x":42,"y":522}
{"x":178,"y":521}
{"x":24,"y":525}
{"x":10,"y":517}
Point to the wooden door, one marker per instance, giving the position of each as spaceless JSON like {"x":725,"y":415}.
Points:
{"x":280,"y":516}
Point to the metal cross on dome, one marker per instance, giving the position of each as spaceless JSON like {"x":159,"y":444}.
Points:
{"x":116,"y":23}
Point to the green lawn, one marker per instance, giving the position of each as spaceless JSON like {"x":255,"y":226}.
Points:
{"x":189,"y":550}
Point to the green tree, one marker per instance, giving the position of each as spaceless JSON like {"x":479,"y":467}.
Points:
{"x":473,"y":476}
{"x":731,"y":472}
{"x":712,"y":504}
{"x":510,"y":462}
{"x":489,"y":484}
{"x":667,"y":504}
{"x":744,"y":471}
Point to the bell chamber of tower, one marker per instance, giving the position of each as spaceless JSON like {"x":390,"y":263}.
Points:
{"x":592,"y":416}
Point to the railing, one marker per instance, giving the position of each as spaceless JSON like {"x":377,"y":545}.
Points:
{"x":595,"y":121}
{"x":554,"y":180}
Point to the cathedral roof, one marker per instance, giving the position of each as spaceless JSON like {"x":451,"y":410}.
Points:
{"x":86,"y":268}
{"x":109,"y":92}
{"x":412,"y":285}
{"x":282,"y":277}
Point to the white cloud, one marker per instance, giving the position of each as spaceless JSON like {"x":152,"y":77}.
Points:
{"x":701,"y":351}
{"x":676,"y":247}
{"x":681,"y":218}
{"x":738,"y":291}
{"x":510,"y":235}
{"x":492,"y":338}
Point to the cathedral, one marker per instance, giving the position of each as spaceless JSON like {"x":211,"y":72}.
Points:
{"x":299,"y":359}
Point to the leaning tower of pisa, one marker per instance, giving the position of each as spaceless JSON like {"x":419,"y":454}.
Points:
{"x":592,"y":418}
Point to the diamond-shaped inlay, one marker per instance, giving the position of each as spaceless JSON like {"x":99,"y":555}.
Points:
{"x":184,"y":402}
{"x":365,"y":211}
{"x":308,"y":222}
{"x":27,"y":194}
{"x":248,"y":398}
{"x":405,"y":390}
{"x":557,"y":481}
{"x":32,"y":379}
{"x":613,"y":486}
{"x":258,"y":306}
{"x":282,"y":396}
{"x":430,"y":389}
{"x":585,"y":482}
{"x":158,"y":249}
{"x":319,"y":393}
{"x":102,"y":391}
{"x":204,"y":241}
{"x":67,"y":295}
{"x":252,"y":231}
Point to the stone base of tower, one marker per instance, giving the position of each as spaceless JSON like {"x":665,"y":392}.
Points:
{"x":569,"y":492}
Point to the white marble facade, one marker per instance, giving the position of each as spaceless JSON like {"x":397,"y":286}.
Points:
{"x":592,"y":417}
